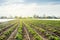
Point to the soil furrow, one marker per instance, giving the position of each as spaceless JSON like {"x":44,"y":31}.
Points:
{"x":25,"y":34}
{"x":5,"y":29}
{"x":12,"y":36}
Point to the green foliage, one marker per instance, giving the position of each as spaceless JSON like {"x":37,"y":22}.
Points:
{"x":32,"y":31}
{"x":19,"y":34}
{"x":54,"y":38}
{"x":8,"y":32}
{"x":45,"y":27}
{"x":2,"y":37}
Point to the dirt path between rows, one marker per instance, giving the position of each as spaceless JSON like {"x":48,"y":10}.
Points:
{"x":12,"y":36}
{"x":25,"y":34}
{"x":3,"y":30}
{"x":38,"y":33}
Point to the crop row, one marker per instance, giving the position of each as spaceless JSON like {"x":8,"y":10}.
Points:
{"x":19,"y":33}
{"x":5,"y":24}
{"x":8,"y":32}
{"x":42,"y":31}
{"x":32,"y":32}
{"x":33,"y":35}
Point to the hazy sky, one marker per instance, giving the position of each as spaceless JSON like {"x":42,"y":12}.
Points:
{"x":29,"y":7}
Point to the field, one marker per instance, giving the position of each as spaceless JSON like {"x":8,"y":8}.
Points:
{"x":30,"y":29}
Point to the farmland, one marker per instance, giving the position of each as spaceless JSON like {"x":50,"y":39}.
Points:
{"x":30,"y":29}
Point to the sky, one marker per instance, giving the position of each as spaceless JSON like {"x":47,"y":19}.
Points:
{"x":26,"y":8}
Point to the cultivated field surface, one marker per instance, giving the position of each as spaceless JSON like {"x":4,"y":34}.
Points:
{"x":30,"y":29}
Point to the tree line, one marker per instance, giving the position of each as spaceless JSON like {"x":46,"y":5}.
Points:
{"x":34,"y":16}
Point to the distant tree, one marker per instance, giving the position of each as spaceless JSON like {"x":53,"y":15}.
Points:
{"x":3,"y":17}
{"x":16,"y":17}
{"x":20,"y":17}
{"x":54,"y":17}
{"x":49,"y":17}
{"x":36,"y":16}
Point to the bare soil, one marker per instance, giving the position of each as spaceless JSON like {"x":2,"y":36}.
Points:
{"x":12,"y":36}
{"x":25,"y":34}
{"x":6,"y":28}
